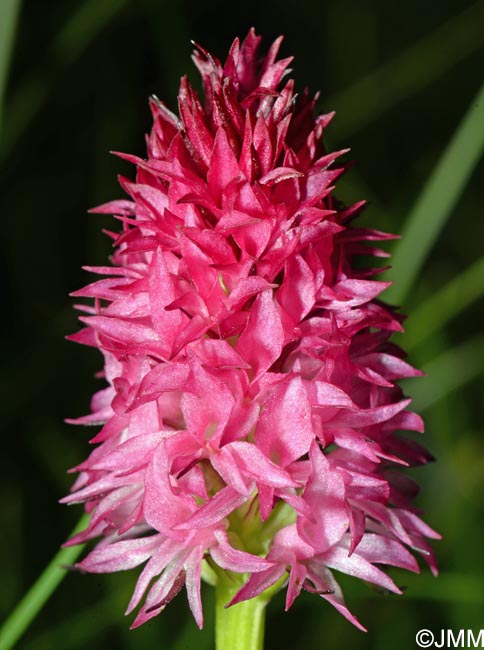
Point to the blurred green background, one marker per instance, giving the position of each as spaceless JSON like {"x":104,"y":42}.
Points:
{"x":75,"y":76}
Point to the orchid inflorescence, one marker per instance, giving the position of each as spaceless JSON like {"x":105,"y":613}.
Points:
{"x":251,"y":425}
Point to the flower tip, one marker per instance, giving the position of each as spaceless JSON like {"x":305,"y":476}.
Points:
{"x":199,"y":49}
{"x":135,"y":624}
{"x":238,"y":598}
{"x":131,"y":607}
{"x":72,"y":541}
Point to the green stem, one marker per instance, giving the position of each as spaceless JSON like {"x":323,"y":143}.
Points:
{"x":240,"y":627}
{"x":40,"y":592}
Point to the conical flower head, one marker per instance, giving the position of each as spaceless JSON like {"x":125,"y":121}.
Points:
{"x":251,"y":412}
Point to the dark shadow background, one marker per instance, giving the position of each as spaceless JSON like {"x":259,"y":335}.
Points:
{"x":80,"y":77}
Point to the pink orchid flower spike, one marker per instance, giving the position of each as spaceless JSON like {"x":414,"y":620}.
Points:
{"x":251,"y":423}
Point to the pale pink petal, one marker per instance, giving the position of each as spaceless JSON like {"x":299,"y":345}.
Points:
{"x":356,"y":565}
{"x":193,"y":567}
{"x":232,"y":559}
{"x":258,"y":583}
{"x":120,"y":555}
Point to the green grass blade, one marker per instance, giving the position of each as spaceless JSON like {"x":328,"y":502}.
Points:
{"x":9,"y":10}
{"x":438,"y":199}
{"x":413,"y":69}
{"x":444,"y":305}
{"x":448,"y":372}
{"x":39,"y":593}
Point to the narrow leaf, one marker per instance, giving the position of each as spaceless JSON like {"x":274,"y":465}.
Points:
{"x":448,"y":372}
{"x":33,"y":601}
{"x":442,"y":306}
{"x":437,"y":200}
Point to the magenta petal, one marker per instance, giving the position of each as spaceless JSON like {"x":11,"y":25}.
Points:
{"x":212,"y":243}
{"x":121,"y":330}
{"x":245,"y":289}
{"x":330,"y":590}
{"x":115,"y":207}
{"x":258,"y":583}
{"x":219,"y":354}
{"x":356,"y":565}
{"x":163,"y":509}
{"x":214,"y":511}
{"x":223,"y":166}
{"x":230,"y":471}
{"x":206,"y":403}
{"x":162,"y":293}
{"x":163,"y":590}
{"x":133,"y":453}
{"x":234,"y":560}
{"x":325,"y":496}
{"x":297,"y":577}
{"x":261,"y":342}
{"x":166,"y":551}
{"x":384,"y":550}
{"x":254,"y":463}
{"x":327,"y":394}
{"x":279,"y":174}
{"x":95,"y":488}
{"x":298,"y":292}
{"x":362,"y":418}
{"x":412,"y":522}
{"x":284,"y":432}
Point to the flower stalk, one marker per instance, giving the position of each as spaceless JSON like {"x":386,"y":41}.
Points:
{"x":240,"y":627}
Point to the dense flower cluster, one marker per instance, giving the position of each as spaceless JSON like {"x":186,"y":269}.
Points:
{"x":251,"y":416}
